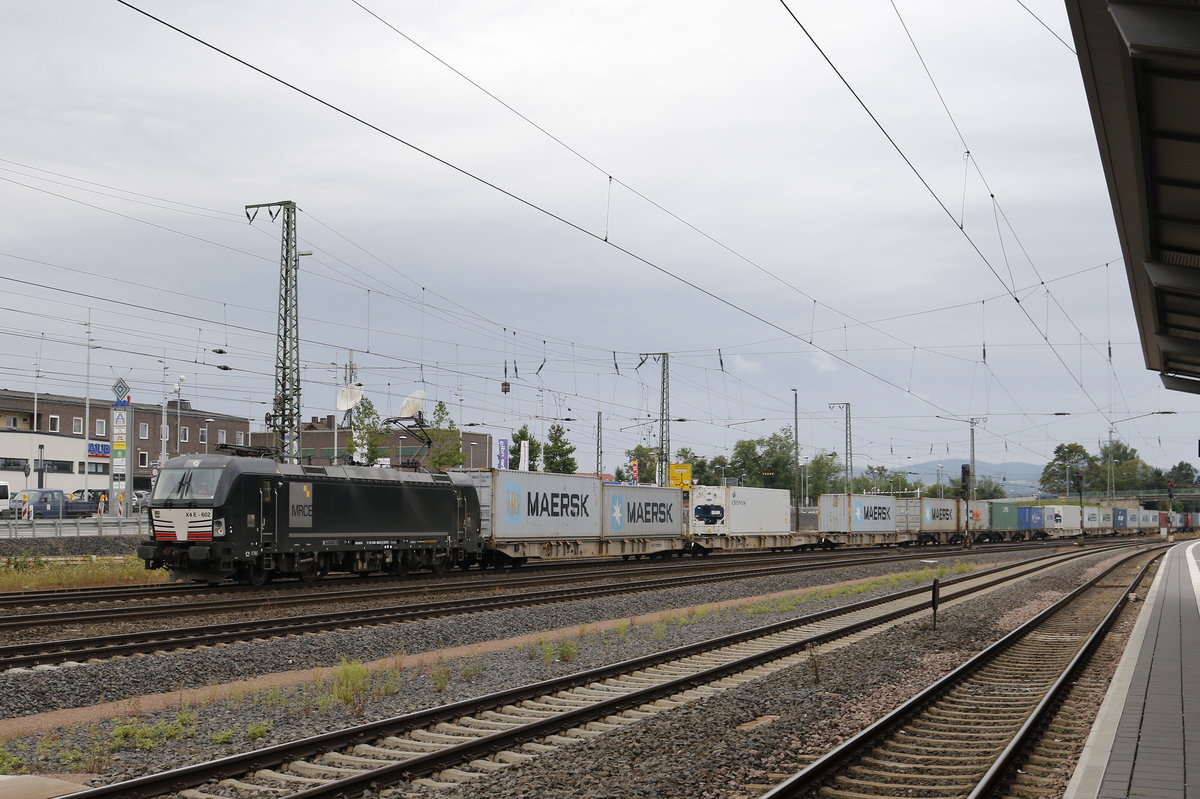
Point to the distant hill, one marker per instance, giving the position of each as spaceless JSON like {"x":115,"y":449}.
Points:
{"x":1020,"y":479}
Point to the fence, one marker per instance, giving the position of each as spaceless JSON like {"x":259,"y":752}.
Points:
{"x":75,"y":528}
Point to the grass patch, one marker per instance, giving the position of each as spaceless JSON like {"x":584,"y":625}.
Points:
{"x":29,"y":571}
{"x":891,"y":581}
{"x":439,"y":677}
{"x":352,"y":685}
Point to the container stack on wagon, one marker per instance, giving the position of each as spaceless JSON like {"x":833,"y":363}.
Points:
{"x":527,"y":515}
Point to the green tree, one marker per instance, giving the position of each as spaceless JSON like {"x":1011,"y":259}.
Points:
{"x":700,"y":470}
{"x":824,"y":474}
{"x":446,"y":451}
{"x":1182,"y":474}
{"x":646,"y":458}
{"x":559,"y":453}
{"x":768,"y":462}
{"x":514,"y":449}
{"x":1069,"y":460}
{"x":367,"y":439}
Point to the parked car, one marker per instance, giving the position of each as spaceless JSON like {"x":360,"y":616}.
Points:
{"x":141,"y":501}
{"x":49,"y":503}
{"x":89,"y":494}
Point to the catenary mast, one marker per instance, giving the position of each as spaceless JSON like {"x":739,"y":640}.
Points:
{"x":284,"y":417}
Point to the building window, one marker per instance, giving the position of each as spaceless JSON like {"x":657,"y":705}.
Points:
{"x":144,"y":430}
{"x":143,"y":459}
{"x":77,"y":425}
{"x":54,"y":426}
{"x":202,"y":434}
{"x":13,"y":464}
{"x":94,"y":467}
{"x":220,"y":436}
{"x":58,"y":467}
{"x":101,"y":427}
{"x":11,"y":422}
{"x":241,"y":438}
{"x":183,"y":435}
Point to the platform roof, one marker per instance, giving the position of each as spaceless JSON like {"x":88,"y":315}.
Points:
{"x":1141,"y":70}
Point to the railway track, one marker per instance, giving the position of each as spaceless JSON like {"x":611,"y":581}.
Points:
{"x":38,"y":653}
{"x":199,"y":606}
{"x":467,"y":740}
{"x":962,"y":736}
{"x":121,"y":593}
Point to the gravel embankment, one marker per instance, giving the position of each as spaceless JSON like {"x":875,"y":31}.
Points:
{"x":254,"y":605}
{"x":850,"y":678}
{"x":68,"y":545}
{"x":699,"y":752}
{"x":23,"y":692}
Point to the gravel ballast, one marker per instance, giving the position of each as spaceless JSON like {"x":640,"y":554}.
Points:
{"x":68,"y":545}
{"x":26,"y":691}
{"x":849,"y":679}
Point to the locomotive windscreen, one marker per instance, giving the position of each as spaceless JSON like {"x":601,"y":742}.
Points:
{"x":186,"y":484}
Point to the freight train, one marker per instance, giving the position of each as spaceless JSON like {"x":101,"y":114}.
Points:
{"x":216,"y":516}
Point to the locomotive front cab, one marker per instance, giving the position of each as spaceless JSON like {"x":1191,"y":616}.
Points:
{"x":188,"y":535}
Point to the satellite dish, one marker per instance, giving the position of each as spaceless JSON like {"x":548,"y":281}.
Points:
{"x":349,"y":396}
{"x":412,"y":405}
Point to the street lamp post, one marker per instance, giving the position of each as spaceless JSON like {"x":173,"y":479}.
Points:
{"x":474,"y":444}
{"x":207,"y":422}
{"x":162,"y":428}
{"x":178,"y":389}
{"x":402,"y":439}
{"x":939,"y":481}
{"x":796,"y":451}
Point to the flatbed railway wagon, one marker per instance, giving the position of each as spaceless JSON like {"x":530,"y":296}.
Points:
{"x":926,"y":521}
{"x":862,"y":520}
{"x":218,"y":516}
{"x":737,"y":518}
{"x":545,"y":516}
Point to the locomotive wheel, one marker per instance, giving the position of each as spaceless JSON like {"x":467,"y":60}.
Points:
{"x":440,"y":565}
{"x":254,"y":575}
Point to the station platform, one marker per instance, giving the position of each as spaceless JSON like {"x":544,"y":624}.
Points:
{"x":1146,"y":738}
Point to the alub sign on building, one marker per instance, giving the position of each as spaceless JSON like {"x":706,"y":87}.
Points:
{"x":121,"y":422}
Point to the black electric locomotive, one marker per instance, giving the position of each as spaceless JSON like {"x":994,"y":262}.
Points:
{"x":214,"y":517}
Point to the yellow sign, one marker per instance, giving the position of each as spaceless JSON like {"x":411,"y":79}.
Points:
{"x":680,"y":476}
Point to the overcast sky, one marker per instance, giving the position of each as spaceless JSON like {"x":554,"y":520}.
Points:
{"x":549,"y":189}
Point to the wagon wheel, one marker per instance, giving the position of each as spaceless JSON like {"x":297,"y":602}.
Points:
{"x":307,"y":571}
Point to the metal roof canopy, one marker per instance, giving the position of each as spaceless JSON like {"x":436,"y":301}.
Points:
{"x":1141,"y":70}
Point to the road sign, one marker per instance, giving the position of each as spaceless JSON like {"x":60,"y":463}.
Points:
{"x":154,"y":472}
{"x":120,"y":389}
{"x":680,"y":475}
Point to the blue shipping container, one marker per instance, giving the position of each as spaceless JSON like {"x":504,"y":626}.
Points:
{"x":1031,"y":517}
{"x":1120,"y":519}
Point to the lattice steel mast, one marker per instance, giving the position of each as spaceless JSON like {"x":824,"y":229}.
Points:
{"x":284,"y":416}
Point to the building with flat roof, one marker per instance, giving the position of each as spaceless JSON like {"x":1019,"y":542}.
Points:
{"x":59,"y":441}
{"x":323,"y":441}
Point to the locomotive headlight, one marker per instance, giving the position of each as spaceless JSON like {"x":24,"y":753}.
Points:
{"x":218,"y":527}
